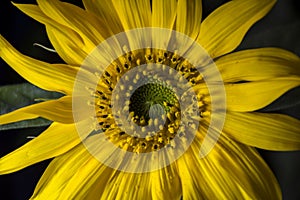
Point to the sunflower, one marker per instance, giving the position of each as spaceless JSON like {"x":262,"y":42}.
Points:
{"x":147,"y":88}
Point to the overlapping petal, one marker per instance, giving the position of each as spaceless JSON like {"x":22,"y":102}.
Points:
{"x":230,"y":171}
{"x":68,"y":47}
{"x":89,"y":175}
{"x":88,"y":181}
{"x":105,"y":10}
{"x":204,"y":180}
{"x":87,"y":25}
{"x":61,"y":169}
{"x":67,"y":43}
{"x":165,"y":183}
{"x":118,"y":187}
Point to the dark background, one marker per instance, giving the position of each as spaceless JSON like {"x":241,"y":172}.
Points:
{"x":280,"y":28}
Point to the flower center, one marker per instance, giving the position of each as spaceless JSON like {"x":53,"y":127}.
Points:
{"x":152,"y":104}
{"x":151,"y":101}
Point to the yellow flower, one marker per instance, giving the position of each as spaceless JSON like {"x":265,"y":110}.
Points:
{"x":253,"y":79}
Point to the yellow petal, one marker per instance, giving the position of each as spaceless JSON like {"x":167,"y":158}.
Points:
{"x":133,"y":14}
{"x":252,"y":96}
{"x":264,"y":130}
{"x":189,"y":15}
{"x":164,"y":13}
{"x":88,"y":181}
{"x":122,"y":185}
{"x":105,"y":10}
{"x":191,"y":188}
{"x":86,"y":178}
{"x":60,"y":171}
{"x":95,"y":191}
{"x":67,"y":43}
{"x":53,"y":77}
{"x":35,"y":12}
{"x":258,"y":64}
{"x":244,"y":166}
{"x":56,"y":110}
{"x":77,"y":174}
{"x":223,"y":30}
{"x":87,"y":25}
{"x":229,"y":171}
{"x":163,"y":16}
{"x":56,"y":140}
{"x":166,"y":183}
{"x":199,"y":178}
{"x":127,"y":186}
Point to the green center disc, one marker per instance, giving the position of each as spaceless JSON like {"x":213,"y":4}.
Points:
{"x":151,"y":98}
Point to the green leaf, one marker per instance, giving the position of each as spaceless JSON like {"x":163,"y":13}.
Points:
{"x":39,"y":122}
{"x":13,"y":97}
